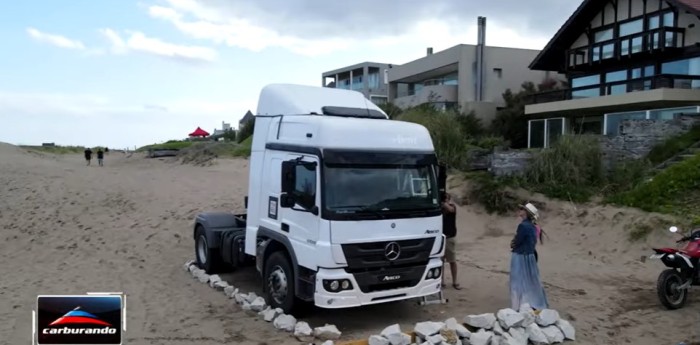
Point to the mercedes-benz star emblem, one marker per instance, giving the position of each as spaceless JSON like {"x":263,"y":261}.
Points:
{"x":392,"y":251}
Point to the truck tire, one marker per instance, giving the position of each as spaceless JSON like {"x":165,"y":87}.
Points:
{"x":279,"y":282}
{"x":207,"y":258}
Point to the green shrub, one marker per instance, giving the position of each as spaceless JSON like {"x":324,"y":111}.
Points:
{"x":168,"y":145}
{"x":243,"y":148}
{"x":449,"y":141}
{"x":668,"y":191}
{"x":625,"y":175}
{"x":56,"y":149}
{"x":491,"y":192}
{"x":570,"y":169}
{"x":674,"y":146}
{"x":245,"y":131}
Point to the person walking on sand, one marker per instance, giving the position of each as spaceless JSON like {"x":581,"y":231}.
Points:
{"x":88,"y":155}
{"x":525,"y":284}
{"x":449,"y":229}
{"x":100,"y":156}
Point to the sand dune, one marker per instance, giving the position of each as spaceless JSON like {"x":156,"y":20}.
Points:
{"x":68,"y":228}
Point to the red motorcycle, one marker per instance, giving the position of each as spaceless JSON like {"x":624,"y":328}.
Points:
{"x":684,"y":271}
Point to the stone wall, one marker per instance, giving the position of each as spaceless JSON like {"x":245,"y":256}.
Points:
{"x":638,"y":137}
{"x":511,"y":162}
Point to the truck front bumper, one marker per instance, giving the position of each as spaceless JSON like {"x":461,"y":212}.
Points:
{"x":355,"y":297}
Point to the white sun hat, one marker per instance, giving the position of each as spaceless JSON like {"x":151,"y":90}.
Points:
{"x":531,"y":209}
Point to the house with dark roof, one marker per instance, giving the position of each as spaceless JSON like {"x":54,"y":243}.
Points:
{"x":248,"y":117}
{"x":624,"y":60}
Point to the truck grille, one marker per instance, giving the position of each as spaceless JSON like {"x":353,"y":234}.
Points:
{"x":374,"y":272}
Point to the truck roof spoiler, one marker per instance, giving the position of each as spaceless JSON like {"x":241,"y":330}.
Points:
{"x":353,"y":112}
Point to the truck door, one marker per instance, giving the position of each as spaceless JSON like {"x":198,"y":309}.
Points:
{"x":298,"y":221}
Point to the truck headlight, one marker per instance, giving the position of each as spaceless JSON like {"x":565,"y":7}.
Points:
{"x":334,"y":285}
{"x":337,"y":285}
{"x":434,"y":273}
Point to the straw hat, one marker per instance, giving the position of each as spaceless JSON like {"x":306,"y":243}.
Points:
{"x":531,"y":209}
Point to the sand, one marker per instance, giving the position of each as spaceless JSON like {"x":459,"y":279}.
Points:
{"x":68,"y":229}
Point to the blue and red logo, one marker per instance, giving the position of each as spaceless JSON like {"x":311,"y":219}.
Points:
{"x":79,"y":319}
{"x":77,"y":316}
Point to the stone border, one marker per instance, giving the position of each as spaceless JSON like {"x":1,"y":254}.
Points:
{"x":254,"y":305}
{"x":506,"y":327}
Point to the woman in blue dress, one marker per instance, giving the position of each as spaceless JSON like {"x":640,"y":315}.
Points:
{"x":525,"y":284}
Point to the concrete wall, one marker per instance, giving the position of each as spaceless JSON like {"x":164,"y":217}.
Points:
{"x":510,"y":163}
{"x":441,"y":93}
{"x":513,"y":64}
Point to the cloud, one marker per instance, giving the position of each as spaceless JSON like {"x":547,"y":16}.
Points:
{"x":139,"y":42}
{"x":88,"y":119}
{"x":315,"y":27}
{"x":55,"y":40}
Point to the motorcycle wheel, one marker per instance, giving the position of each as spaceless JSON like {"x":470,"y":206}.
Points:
{"x":667,"y":289}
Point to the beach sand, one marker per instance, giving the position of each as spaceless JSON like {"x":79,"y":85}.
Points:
{"x":68,"y":229}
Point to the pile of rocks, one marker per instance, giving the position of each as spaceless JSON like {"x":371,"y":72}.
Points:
{"x":507,"y":327}
{"x":255,"y":305}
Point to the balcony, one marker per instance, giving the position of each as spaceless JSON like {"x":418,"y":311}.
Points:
{"x":429,"y":94}
{"x":613,"y":96}
{"x":652,"y":41}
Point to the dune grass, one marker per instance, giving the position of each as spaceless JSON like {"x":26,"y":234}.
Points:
{"x":55,"y":149}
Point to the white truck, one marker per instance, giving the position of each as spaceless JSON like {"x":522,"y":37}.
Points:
{"x":343,"y":205}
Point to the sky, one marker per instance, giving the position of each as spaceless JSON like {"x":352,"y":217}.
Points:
{"x":126,"y":73}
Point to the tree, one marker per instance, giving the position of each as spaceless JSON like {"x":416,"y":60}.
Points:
{"x":511,"y":122}
{"x":245,"y":131}
{"x":229,"y":135}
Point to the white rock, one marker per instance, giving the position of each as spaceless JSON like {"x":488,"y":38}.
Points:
{"x":525,"y":307}
{"x":327,"y":332}
{"x":519,"y":334}
{"x":251,"y":297}
{"x":328,"y":342}
{"x":228,"y":291}
{"x":213,"y":279}
{"x":508,"y":339}
{"x":528,"y":318}
{"x":461,"y":331}
{"x":258,"y":304}
{"x":435,"y":339}
{"x":393,"y":329}
{"x":536,"y":336}
{"x":303,"y":332}
{"x":285,"y":322}
{"x":547,"y":317}
{"x":187,"y":265}
{"x":202,"y":276}
{"x":428,"y":328}
{"x":567,"y":329}
{"x":553,"y":334}
{"x":239,"y":298}
{"x":482,"y":337}
{"x":509,"y":318}
{"x":270,"y":314}
{"x":485,"y":321}
{"x":220,"y":285}
{"x":192,"y":268}
{"x":495,"y":340}
{"x":399,"y":339}
{"x":497,"y":329}
{"x":378,"y":340}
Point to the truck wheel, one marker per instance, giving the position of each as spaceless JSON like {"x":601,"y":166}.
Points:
{"x":208,"y":258}
{"x":279,"y":282}
{"x":667,"y":289}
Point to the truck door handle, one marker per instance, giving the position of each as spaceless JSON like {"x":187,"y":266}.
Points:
{"x":285,"y":227}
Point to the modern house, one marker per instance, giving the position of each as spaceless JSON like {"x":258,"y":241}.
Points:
{"x":471,"y":76}
{"x":370,"y":78}
{"x":624,"y":60}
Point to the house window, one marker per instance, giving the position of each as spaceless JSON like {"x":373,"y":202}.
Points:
{"x":631,"y":28}
{"x":603,"y":35}
{"x":545,"y":132}
{"x":499,"y":72}
{"x":585,"y":81}
{"x":682,"y":67}
{"x":586,"y":93}
{"x":616,"y":76}
{"x":588,"y":125}
{"x":613,"y":121}
{"x":670,"y":114}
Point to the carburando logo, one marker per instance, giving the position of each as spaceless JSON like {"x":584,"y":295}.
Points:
{"x":87,"y":319}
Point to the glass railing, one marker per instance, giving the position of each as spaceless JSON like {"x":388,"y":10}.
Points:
{"x":671,"y":81}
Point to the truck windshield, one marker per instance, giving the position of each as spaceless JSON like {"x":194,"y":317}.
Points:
{"x":380,"y":190}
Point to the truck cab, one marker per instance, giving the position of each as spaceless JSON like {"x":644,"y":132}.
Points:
{"x":343,"y":205}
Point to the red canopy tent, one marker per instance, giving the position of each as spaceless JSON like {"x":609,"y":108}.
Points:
{"x":199,"y":133}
